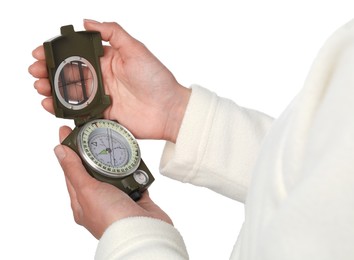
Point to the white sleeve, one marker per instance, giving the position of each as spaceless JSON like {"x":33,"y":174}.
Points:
{"x":217,"y":144}
{"x":301,"y":203}
{"x":141,"y":238}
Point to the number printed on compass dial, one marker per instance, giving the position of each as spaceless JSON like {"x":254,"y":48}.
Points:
{"x":109,"y":148}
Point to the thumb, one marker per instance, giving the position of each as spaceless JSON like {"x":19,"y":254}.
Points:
{"x":110,"y":32}
{"x":60,"y":153}
{"x":72,"y":166}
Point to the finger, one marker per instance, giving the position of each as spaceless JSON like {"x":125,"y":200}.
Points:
{"x":145,"y":199}
{"x":47,"y":104}
{"x":149,"y":205}
{"x":38,"y":69}
{"x":38,"y":53}
{"x":146,"y":202}
{"x":64,"y":131}
{"x":43,"y":87}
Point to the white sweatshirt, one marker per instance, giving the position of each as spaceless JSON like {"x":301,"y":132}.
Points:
{"x":295,"y":175}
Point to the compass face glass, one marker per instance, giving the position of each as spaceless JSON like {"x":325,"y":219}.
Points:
{"x":75,"y":83}
{"x":109,"y":148}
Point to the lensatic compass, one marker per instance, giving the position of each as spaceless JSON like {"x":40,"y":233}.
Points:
{"x":109,"y":152}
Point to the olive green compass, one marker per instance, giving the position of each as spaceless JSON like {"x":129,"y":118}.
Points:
{"x":109,"y":152}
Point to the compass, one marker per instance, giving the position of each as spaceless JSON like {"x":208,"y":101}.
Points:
{"x":109,"y":148}
{"x":109,"y":151}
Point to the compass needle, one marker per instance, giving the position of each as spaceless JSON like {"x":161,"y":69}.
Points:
{"x":104,"y":151}
{"x":110,"y":143}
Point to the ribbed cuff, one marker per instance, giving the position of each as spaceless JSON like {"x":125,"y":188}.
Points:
{"x":141,"y":238}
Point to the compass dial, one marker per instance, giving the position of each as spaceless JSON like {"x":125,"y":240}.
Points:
{"x":109,"y":148}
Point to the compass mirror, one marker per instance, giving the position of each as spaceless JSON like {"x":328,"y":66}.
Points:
{"x":75,"y":83}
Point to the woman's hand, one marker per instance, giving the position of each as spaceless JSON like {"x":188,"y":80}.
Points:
{"x":96,"y":205}
{"x":146,"y":98}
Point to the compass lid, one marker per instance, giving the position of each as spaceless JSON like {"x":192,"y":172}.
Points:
{"x":75,"y":74}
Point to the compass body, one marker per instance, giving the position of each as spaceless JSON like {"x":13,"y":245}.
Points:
{"x":109,"y":152}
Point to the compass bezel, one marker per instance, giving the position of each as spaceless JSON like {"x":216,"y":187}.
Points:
{"x":86,"y":153}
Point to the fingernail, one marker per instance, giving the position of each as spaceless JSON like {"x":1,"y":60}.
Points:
{"x":90,"y":21}
{"x":60,"y":152}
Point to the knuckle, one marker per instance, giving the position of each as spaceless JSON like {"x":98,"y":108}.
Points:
{"x":77,"y":214}
{"x":77,"y":218}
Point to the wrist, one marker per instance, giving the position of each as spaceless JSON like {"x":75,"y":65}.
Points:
{"x":176,"y":113}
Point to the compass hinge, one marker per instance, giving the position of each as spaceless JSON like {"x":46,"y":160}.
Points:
{"x":79,"y":121}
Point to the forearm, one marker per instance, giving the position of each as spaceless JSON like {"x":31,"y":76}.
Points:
{"x":217,"y":145}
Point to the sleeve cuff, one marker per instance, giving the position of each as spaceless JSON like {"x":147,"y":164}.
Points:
{"x":217,"y":145}
{"x":190,"y":142}
{"x":141,"y":238}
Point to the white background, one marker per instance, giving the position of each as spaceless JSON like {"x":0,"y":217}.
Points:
{"x":255,"y":52}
